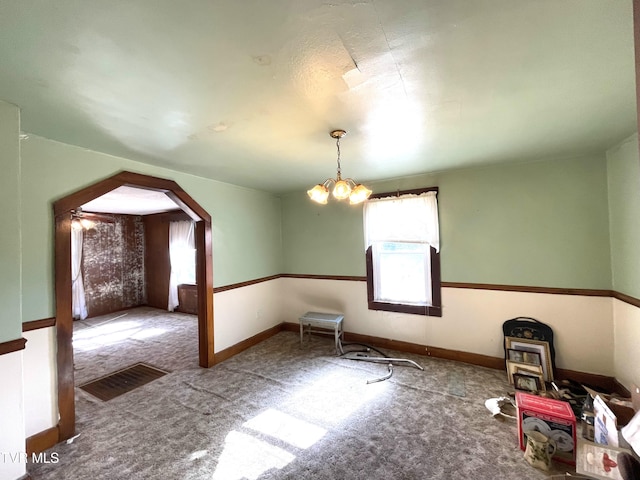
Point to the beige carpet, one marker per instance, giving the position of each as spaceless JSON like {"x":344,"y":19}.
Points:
{"x":279,"y":411}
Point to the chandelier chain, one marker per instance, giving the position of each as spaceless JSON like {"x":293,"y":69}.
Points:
{"x":338,"y":148}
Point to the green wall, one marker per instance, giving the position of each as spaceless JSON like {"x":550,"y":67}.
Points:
{"x":10,"y":273}
{"x":245,"y":222}
{"x":537,"y":224}
{"x":540,"y":223}
{"x":623,"y":167}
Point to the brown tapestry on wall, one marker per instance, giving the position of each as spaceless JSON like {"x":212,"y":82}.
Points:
{"x":113,"y":264}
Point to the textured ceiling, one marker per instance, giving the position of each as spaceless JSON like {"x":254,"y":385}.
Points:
{"x":247,"y":91}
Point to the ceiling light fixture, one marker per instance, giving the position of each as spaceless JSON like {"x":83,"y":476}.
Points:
{"x":79,"y":222}
{"x":342,"y":188}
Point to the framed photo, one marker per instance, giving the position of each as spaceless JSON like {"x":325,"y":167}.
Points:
{"x":534,"y":346}
{"x":524,"y":369}
{"x":515,"y":355}
{"x":529,"y":383}
{"x":522,"y":356}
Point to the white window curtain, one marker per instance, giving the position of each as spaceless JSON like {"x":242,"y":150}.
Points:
{"x":79,"y":306}
{"x":400,"y":231}
{"x":181,"y":246}
{"x":408,"y":218}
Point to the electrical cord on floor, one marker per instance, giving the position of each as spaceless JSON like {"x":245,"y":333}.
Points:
{"x":362,"y":355}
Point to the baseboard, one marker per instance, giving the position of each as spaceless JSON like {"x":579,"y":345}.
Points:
{"x":42,"y":441}
{"x":608,"y":384}
{"x":227,"y":353}
{"x":621,"y":389}
{"x":291,"y":327}
{"x":602,"y":383}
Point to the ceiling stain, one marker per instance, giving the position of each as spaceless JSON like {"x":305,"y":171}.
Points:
{"x":220,"y":127}
{"x":262,"y":60}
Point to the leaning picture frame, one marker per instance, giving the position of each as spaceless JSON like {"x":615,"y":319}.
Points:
{"x":534,"y":346}
{"x":528,"y":383}
{"x":522,"y":356}
{"x":525,"y":369}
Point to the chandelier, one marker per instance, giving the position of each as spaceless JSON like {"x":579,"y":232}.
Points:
{"x":342,"y":188}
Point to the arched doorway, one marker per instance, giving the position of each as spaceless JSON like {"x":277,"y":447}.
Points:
{"x":64,"y":321}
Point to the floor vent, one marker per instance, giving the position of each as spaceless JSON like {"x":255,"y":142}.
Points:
{"x":122,"y":381}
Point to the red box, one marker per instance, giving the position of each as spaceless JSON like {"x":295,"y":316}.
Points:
{"x":553,"y":418}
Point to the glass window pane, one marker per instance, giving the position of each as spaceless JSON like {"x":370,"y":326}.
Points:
{"x":403,"y":273}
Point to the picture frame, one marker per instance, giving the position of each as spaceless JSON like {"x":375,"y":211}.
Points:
{"x":523,"y":368}
{"x":528,"y":383}
{"x":534,"y":346}
{"x":522,"y":356}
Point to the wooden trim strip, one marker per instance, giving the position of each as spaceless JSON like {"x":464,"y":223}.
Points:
{"x":62,"y":277}
{"x":227,"y":353}
{"x":476,"y":286}
{"x":244,"y":284}
{"x":606,"y":383}
{"x":42,"y":441}
{"x":350,"y":278}
{"x":626,"y":298}
{"x":37,"y":324}
{"x":204,"y":287}
{"x":529,"y":289}
{"x":12,"y":346}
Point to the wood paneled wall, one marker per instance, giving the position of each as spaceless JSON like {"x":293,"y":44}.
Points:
{"x":157,"y":264}
{"x":113,"y":264}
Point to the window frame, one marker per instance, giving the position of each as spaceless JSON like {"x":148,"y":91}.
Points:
{"x":434,"y":310}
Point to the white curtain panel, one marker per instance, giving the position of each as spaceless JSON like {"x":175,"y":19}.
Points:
{"x":181,"y":236}
{"x":408,"y":218}
{"x":79,"y":306}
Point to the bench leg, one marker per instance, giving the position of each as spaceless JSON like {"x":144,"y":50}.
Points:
{"x":301,"y":334}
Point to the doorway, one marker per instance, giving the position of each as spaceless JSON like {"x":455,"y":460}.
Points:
{"x":63,"y":209}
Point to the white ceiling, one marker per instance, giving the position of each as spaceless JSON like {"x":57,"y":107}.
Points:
{"x":131,"y":201}
{"x":247,"y":91}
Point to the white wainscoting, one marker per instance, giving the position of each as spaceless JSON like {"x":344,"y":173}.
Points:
{"x":472,"y":319}
{"x":243,"y":312}
{"x":626,"y":320}
{"x":12,"y":446}
{"x":40,"y":380}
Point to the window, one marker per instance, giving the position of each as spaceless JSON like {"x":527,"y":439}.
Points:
{"x":402,"y":243}
{"x":182,"y":256}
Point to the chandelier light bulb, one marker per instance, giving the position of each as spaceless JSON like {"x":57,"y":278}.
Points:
{"x":319,"y":194}
{"x":342,"y":189}
{"x":359,"y":194}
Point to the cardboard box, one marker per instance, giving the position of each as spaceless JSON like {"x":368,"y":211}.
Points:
{"x":600,"y":461}
{"x":605,"y":423}
{"x":610,"y":415}
{"x":553,"y":418}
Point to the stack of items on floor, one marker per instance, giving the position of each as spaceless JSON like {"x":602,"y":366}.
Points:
{"x":604,"y":445}
{"x":546,"y":430}
{"x":565,"y":421}
{"x":610,"y":443}
{"x":529,"y":353}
